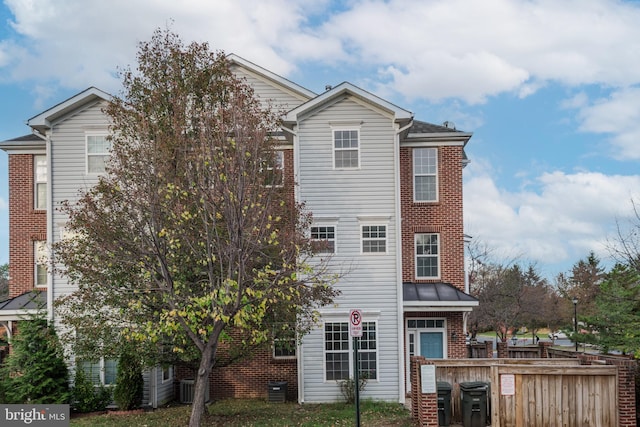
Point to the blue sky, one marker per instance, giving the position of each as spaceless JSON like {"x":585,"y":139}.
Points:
{"x":550,"y":89}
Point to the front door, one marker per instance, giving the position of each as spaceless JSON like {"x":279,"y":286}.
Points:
{"x":425,"y":337}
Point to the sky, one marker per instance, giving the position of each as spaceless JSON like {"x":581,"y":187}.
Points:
{"x":550,"y":90}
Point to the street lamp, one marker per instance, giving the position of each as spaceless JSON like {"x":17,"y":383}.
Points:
{"x":575,"y":320}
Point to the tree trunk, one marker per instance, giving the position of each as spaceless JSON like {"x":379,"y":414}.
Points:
{"x":202,"y":382}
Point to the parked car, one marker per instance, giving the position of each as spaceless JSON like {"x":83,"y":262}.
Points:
{"x":557,"y":335}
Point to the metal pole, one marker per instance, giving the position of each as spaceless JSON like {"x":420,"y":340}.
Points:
{"x":575,"y":320}
{"x":356,"y":377}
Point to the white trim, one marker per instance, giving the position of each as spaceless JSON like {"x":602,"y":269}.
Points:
{"x":87,"y":134}
{"x":368,"y":223}
{"x":358,"y":149}
{"x":436,"y":174}
{"x":321,"y":223}
{"x":416,"y":333}
{"x":437,"y":256}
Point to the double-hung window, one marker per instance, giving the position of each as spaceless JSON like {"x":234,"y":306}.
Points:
{"x":101,"y":372}
{"x":425,"y":175}
{"x":324,"y":237}
{"x":98,"y":153}
{"x":346,"y":149}
{"x":374,"y":238}
{"x":40,"y":180}
{"x":339,"y":347}
{"x":40,"y":257}
{"x":427,"y":256}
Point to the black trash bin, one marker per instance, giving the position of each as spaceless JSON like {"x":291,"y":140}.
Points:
{"x":277,"y":391}
{"x":444,"y":403}
{"x":473,"y":398}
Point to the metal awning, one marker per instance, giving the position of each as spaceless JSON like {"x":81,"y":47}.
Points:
{"x":17,"y":308}
{"x":438,"y":296}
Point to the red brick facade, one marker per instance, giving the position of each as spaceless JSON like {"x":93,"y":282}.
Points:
{"x":444,"y":217}
{"x":26,"y":224}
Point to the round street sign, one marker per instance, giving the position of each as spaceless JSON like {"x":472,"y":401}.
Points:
{"x":355,"y":323}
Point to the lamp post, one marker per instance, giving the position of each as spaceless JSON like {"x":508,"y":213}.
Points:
{"x":575,"y":320}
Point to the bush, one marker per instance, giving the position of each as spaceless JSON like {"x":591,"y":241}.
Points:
{"x":348,"y":388}
{"x":86,"y":397}
{"x":35,"y":371}
{"x":129,"y":381}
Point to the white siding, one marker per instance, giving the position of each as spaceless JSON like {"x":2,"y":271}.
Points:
{"x":352,"y":196}
{"x":266,"y":90}
{"x":68,"y":169}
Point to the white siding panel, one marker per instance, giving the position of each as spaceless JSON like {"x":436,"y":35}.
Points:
{"x":68,"y":168}
{"x":353,"y":196}
{"x":266,"y":90}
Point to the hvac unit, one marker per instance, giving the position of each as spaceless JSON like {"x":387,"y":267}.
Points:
{"x":188,"y":391}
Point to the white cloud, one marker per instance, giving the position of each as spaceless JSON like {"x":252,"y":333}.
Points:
{"x":565,"y":217}
{"x":617,"y":115}
{"x":433,"y":50}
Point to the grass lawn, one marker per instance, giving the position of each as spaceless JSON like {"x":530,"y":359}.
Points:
{"x":256,"y":413}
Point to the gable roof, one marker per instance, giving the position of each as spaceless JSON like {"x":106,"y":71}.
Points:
{"x":43,"y":121}
{"x":271,"y":76}
{"x":423,"y":131}
{"x":345,"y":88}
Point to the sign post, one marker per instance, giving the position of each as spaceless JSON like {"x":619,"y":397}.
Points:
{"x":355,"y":330}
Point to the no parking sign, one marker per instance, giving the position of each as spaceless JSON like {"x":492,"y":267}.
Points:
{"x":355,"y":323}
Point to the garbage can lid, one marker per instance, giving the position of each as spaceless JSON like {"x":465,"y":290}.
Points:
{"x":443,"y":385}
{"x":474,"y":385}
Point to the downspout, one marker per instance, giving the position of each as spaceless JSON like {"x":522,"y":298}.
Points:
{"x":399,"y":298}
{"x":296,"y":196}
{"x":48,"y":152}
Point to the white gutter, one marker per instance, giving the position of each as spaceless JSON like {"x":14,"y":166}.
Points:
{"x":399,"y":298}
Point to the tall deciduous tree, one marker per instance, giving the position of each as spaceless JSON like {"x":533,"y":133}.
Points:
{"x":186,"y":237}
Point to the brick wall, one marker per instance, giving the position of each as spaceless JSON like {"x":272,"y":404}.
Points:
{"x":26,"y":225}
{"x":424,"y":406}
{"x":444,"y":217}
{"x":248,"y":378}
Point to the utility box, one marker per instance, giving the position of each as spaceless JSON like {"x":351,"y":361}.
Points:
{"x":473,"y":397}
{"x":444,"y":403}
{"x":277,"y":391}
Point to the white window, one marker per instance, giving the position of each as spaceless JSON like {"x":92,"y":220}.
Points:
{"x":40,"y":181}
{"x":339,"y":348}
{"x":427,"y":256}
{"x":274,"y":171}
{"x":325,"y":236}
{"x":40,"y":257}
{"x":98,"y":153}
{"x":425,"y":175}
{"x":102,"y":372}
{"x":346,"y":149}
{"x":374,"y":238}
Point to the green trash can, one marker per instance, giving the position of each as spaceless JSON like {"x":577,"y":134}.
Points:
{"x":473,"y":398}
{"x":444,"y":403}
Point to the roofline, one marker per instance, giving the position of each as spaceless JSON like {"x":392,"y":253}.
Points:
{"x":343,"y":88}
{"x":303,"y":91}
{"x":25,"y":146}
{"x":42,"y":121}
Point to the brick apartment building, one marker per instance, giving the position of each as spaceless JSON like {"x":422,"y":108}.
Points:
{"x":385,"y":191}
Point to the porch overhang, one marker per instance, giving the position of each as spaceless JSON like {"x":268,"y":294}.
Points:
{"x":23,"y":306}
{"x":435,"y":297}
